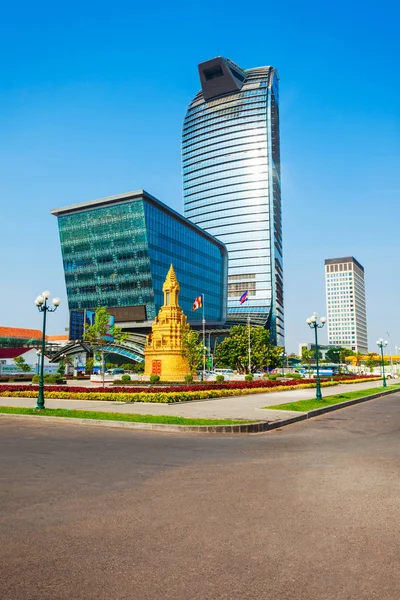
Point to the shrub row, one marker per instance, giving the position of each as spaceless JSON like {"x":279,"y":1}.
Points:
{"x":166,"y":388}
{"x":237,"y":385}
{"x":159,"y":397}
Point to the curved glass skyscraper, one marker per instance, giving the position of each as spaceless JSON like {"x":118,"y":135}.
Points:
{"x":231,"y":183}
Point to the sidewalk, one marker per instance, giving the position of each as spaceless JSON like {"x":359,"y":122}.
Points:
{"x":234,"y":407}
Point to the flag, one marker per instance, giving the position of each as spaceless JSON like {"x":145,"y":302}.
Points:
{"x":244,"y":297}
{"x":198,"y":302}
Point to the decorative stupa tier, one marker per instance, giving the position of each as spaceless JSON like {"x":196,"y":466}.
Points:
{"x":163,"y":349}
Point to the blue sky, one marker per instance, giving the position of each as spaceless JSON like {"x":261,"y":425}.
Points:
{"x":92,"y":101}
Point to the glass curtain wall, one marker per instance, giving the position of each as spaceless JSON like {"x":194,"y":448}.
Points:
{"x":106,"y":262}
{"x":231,"y":186}
{"x":119,"y":255}
{"x":200,"y":265}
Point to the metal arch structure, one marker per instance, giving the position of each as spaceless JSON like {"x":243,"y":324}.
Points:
{"x":132,"y":348}
{"x":125,"y":350}
{"x":128,"y":349}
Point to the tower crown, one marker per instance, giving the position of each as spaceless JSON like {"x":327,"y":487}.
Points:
{"x":171,"y":288}
{"x":171,"y":281}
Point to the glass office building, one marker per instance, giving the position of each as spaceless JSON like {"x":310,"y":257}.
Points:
{"x":232,"y":183}
{"x":117,"y":251}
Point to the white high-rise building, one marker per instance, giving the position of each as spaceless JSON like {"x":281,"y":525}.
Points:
{"x":345,"y":304}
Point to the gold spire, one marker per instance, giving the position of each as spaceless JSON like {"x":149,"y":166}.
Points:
{"x":163,"y":350}
{"x":171,"y":280}
{"x":171,"y":288}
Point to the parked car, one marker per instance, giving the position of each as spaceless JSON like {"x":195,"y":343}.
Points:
{"x":224,"y":372}
{"x":115,"y":372}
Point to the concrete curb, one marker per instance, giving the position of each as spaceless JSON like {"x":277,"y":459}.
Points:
{"x":245,"y":428}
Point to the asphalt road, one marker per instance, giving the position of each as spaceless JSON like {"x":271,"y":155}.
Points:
{"x":310,"y":512}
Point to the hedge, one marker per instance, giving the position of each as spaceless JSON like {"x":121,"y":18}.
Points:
{"x":158,"y":397}
{"x":235,"y":385}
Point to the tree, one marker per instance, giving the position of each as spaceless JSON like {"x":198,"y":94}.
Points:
{"x":338,"y":355}
{"x":61,"y":368}
{"x":89,"y":365}
{"x":292,"y":360}
{"x":307,"y":356}
{"x":333,"y":355}
{"x":344,"y":353}
{"x":357,"y":359}
{"x":138,"y":367}
{"x":192,"y":348}
{"x":371,"y":361}
{"x":64,"y":361}
{"x":233,"y":351}
{"x":21,"y":365}
{"x":99,"y":334}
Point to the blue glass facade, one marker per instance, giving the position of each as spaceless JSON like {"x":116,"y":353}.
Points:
{"x":117,"y":251}
{"x":231,"y":183}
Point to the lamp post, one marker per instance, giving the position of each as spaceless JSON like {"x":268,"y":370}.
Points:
{"x":209,"y":332}
{"x":38,"y":354}
{"x":312,"y":322}
{"x":390,"y":351}
{"x":283,"y":362}
{"x":381,"y":344}
{"x":41,"y":303}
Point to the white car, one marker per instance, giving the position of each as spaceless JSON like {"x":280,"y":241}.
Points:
{"x":258,"y":374}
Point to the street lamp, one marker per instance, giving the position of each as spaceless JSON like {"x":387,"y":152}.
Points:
{"x":38,"y":354}
{"x":381,"y":344}
{"x":41,"y":303}
{"x":390,"y":350}
{"x":209,"y":332}
{"x":312,"y":322}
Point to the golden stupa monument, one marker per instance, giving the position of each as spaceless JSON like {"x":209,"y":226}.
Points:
{"x":163,"y":349}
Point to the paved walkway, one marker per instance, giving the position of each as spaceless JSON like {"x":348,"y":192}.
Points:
{"x":236,"y":407}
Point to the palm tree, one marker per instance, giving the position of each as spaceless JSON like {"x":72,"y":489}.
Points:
{"x":307,"y":356}
{"x":371,"y":361}
{"x":357,"y":359}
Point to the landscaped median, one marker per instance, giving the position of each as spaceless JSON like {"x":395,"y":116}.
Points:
{"x":112,"y":416}
{"x":313,"y":404}
{"x":132,"y":421}
{"x":167,"y":395}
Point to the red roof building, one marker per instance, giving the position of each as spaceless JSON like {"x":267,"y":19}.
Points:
{"x":20,"y":332}
{"x":12,"y":352}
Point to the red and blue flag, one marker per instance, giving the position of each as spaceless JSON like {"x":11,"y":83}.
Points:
{"x":244,"y":297}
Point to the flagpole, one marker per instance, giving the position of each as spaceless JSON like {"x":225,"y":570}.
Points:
{"x":204,"y":341}
{"x":248,"y":325}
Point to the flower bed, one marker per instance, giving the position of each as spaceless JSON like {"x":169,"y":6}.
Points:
{"x":264,"y":385}
{"x":157,"y":396}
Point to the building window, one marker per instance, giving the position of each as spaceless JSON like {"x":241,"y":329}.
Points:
{"x":213,"y":73}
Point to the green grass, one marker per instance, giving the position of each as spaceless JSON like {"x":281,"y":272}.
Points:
{"x":112,"y":416}
{"x":312,"y":403}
